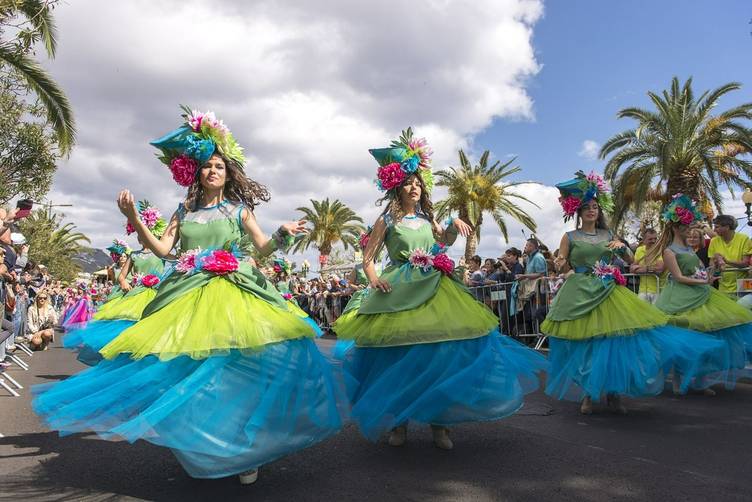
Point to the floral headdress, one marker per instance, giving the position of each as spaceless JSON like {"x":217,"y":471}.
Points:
{"x":281,"y":265}
{"x":117,"y":249}
{"x":189,"y":146}
{"x":681,"y":210}
{"x":404,"y":157}
{"x":581,"y":190}
{"x":151,"y":217}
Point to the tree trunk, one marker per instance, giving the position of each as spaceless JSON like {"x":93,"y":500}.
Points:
{"x":471,"y":245}
{"x":684,"y":180}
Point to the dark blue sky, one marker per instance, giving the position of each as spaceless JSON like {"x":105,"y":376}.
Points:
{"x":601,"y":56}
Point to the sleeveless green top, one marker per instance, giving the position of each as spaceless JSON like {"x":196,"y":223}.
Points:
{"x":146,"y":262}
{"x":582,"y":292}
{"x":212,"y":228}
{"x":411,"y":287}
{"x":677,"y":297}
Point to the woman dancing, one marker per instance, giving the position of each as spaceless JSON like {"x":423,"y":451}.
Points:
{"x":424,"y":349}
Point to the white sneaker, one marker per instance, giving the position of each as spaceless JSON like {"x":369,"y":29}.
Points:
{"x":248,"y":477}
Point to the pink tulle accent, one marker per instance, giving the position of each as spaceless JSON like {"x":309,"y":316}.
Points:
{"x":443,"y":264}
{"x":570,"y":204}
{"x":220,"y":262}
{"x":150,"y":280}
{"x":390,"y":176}
{"x":183,"y":170}
{"x":618,"y":277}
{"x":420,"y":259}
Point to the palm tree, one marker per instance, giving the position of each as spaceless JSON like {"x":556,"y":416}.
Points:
{"x":332,"y":222}
{"x":15,"y":54}
{"x":51,"y":243}
{"x":474,"y":190}
{"x":680,"y":147}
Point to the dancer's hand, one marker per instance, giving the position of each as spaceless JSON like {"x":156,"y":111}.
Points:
{"x":127,"y":204}
{"x":614,"y":245}
{"x":381,"y":285}
{"x":296,"y":227}
{"x":462,"y":228}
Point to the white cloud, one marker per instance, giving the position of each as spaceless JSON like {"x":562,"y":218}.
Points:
{"x":307,"y":88}
{"x":589,"y":149}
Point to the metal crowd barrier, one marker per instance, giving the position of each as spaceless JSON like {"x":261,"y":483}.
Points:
{"x":521,"y":306}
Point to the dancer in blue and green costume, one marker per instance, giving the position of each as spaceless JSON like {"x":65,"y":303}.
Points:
{"x":604,"y":340}
{"x":119,"y":252}
{"x":218,"y":369}
{"x":144,"y":270}
{"x":691,"y":302}
{"x":419,"y":347}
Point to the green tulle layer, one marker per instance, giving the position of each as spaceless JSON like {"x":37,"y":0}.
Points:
{"x":718,"y":312}
{"x":450,"y":314}
{"x":210,"y":320}
{"x":621,"y":313}
{"x":128,"y":307}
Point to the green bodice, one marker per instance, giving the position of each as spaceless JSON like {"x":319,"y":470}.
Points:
{"x":208,"y":228}
{"x":411,"y":287}
{"x":360,"y":275}
{"x":676,"y":297}
{"x":582,"y":292}
{"x":145,"y":262}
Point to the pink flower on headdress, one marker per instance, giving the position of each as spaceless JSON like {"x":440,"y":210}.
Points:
{"x":183,"y":170}
{"x":593,"y":177}
{"x":220,"y":262}
{"x":570,"y":204}
{"x":390,"y":176}
{"x":150,"y":280}
{"x":686,"y":217}
{"x":187,"y":262}
{"x":195,"y":119}
{"x":443,"y":263}
{"x":150,"y":215}
{"x":420,"y":145}
{"x":129,"y":228}
{"x":420,"y":259}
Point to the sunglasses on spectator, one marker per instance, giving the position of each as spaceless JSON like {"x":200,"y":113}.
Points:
{"x":41,"y":297}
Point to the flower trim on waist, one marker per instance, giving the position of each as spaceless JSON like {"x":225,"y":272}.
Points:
{"x":147,"y":280}
{"x":436,"y":258}
{"x":217,"y":261}
{"x":608,"y":273}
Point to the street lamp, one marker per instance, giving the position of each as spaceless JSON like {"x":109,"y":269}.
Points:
{"x":747,"y":199}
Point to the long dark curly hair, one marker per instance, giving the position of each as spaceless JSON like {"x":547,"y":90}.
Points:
{"x":239,"y":188}
{"x":395,"y":209}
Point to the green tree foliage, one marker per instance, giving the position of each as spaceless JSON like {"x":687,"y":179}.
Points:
{"x":25,"y":24}
{"x":679,"y":147}
{"x":332,"y":222}
{"x":478,"y":189}
{"x":52,"y":243}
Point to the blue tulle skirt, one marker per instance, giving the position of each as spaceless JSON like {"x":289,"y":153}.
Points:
{"x":726,"y":366}
{"x":314,"y":326}
{"x":220,"y":415}
{"x":635,"y":365}
{"x":89,"y":339}
{"x":443,"y":383}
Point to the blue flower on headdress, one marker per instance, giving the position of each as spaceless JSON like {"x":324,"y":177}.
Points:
{"x":410,"y":164}
{"x":199,"y":149}
{"x":590,"y":194}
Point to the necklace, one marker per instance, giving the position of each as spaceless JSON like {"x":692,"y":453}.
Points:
{"x":410,"y":217}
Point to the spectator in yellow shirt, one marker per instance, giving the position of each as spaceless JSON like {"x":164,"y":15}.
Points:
{"x":648,"y":284}
{"x":729,"y":249}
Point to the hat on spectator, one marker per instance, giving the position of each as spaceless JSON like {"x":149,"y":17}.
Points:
{"x":404,"y":157}
{"x":17,"y":238}
{"x":582,"y":189}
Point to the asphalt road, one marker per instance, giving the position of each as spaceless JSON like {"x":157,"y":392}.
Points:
{"x":667,"y":448}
